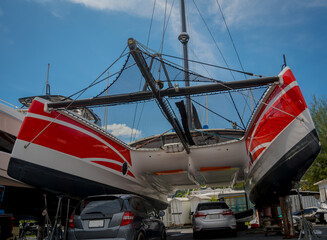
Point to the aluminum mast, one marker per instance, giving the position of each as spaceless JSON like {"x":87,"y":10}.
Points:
{"x":184,"y":38}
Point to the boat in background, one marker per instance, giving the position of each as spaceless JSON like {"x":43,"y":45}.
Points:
{"x":10,"y":122}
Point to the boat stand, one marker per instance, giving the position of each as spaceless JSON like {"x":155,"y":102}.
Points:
{"x":57,"y":233}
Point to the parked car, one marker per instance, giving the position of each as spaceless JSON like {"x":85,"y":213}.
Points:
{"x":116,"y":217}
{"x":213,"y":216}
{"x":309,"y":214}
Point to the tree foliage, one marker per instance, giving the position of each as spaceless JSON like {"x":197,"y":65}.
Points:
{"x":318,"y":170}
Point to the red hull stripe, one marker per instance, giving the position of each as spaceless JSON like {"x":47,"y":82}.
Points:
{"x":38,"y":108}
{"x":110,"y":165}
{"x":66,"y":140}
{"x":270,"y":121}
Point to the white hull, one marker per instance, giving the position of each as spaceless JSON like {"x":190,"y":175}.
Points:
{"x":10,"y":123}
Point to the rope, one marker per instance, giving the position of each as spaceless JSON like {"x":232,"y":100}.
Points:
{"x":147,"y":43}
{"x":194,"y":61}
{"x":228,"y":120}
{"x":121,"y":55}
{"x":230,"y":36}
{"x":223,"y":59}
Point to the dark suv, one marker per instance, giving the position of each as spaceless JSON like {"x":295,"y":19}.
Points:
{"x":116,"y":217}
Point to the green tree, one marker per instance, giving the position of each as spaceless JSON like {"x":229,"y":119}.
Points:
{"x":318,"y":170}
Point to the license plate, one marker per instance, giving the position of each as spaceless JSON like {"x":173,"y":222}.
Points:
{"x":213,"y":216}
{"x":96,"y":223}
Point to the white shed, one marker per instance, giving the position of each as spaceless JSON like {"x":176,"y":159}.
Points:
{"x":196,"y":199}
{"x":180,"y":211}
{"x":322,"y":189}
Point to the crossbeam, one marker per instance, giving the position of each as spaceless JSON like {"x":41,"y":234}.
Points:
{"x":169,"y":92}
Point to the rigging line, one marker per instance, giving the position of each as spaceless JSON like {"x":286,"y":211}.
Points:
{"x":234,"y":46}
{"x":214,"y":40}
{"x":228,"y":120}
{"x":212,"y":65}
{"x":149,"y":33}
{"x":206,"y":70}
{"x":147,"y":43}
{"x":119,"y":74}
{"x":60,"y":113}
{"x":176,"y":66}
{"x":93,"y":83}
{"x":146,"y":49}
{"x":269,"y":105}
{"x":230,"y":36}
{"x":163,"y":29}
{"x":223,"y":59}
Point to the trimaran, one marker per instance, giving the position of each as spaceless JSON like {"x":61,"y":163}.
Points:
{"x":63,"y":152}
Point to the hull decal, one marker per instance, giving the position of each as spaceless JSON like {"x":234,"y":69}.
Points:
{"x":284,"y":104}
{"x":211,"y":169}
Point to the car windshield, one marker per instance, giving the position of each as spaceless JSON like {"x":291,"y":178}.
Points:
{"x":214,"y":205}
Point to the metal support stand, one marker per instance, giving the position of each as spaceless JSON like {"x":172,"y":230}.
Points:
{"x":307,"y":231}
{"x":67,"y":219}
{"x":54,"y":228}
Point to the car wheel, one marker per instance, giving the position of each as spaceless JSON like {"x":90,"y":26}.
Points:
{"x":140,"y":236}
{"x":163,"y":234}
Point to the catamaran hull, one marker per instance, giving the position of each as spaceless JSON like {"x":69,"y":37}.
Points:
{"x":281,"y":141}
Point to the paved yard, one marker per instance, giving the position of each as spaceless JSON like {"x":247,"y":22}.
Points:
{"x":178,"y":234}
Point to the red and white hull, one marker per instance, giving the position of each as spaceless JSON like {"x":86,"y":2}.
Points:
{"x":281,"y":141}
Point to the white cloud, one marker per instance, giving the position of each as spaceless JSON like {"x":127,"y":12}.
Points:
{"x":132,"y":7}
{"x":122,"y":130}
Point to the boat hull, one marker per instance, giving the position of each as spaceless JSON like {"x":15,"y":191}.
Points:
{"x":10,"y":123}
{"x":281,"y":141}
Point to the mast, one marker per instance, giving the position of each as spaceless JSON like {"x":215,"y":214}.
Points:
{"x":184,"y":38}
{"x":47,"y":85}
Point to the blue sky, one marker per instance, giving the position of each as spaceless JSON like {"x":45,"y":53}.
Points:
{"x":80,"y":38}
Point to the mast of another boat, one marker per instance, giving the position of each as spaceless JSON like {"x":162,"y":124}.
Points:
{"x":47,"y":85}
{"x":106,"y":109}
{"x":184,"y":38}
